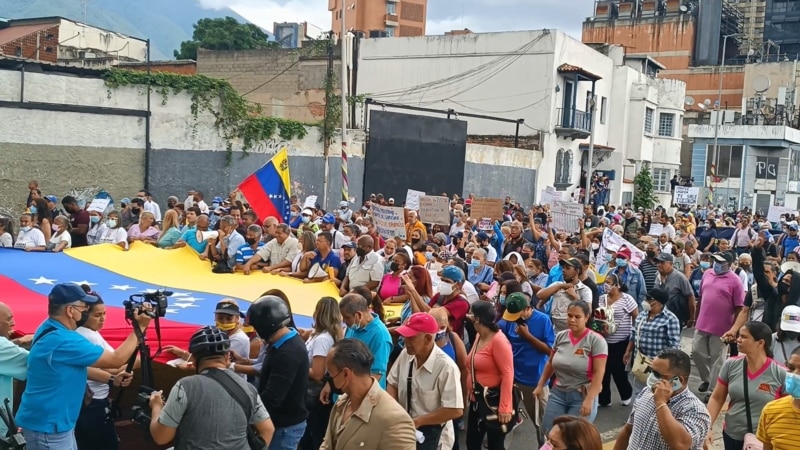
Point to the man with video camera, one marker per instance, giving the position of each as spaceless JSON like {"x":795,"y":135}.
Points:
{"x":213,"y":409}
{"x":57,"y":369}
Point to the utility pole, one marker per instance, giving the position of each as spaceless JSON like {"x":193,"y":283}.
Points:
{"x":718,"y":122}
{"x":590,"y":171}
{"x":329,"y":98}
{"x":344,"y":84}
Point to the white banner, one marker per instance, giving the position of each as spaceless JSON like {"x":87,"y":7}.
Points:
{"x":412,"y":199}
{"x":566,"y":216}
{"x":775,"y":212}
{"x":389,"y":221}
{"x":685,"y":195}
{"x":549,"y":196}
{"x":611,"y":239}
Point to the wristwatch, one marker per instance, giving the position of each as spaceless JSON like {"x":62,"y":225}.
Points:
{"x":111,"y":380}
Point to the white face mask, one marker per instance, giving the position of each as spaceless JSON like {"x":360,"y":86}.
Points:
{"x":646,"y":307}
{"x":595,"y":246}
{"x":445,"y":288}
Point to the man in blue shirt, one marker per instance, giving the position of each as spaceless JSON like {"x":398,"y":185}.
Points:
{"x":368,"y":328}
{"x":223,"y":250}
{"x":189,"y":236}
{"x":252,"y":244}
{"x":58,"y":362}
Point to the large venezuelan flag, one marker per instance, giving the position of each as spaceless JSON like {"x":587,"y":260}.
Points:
{"x":27,"y":277}
{"x":269,"y":188}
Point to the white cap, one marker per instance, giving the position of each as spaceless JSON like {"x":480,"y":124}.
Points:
{"x":308,"y":212}
{"x":790,"y":319}
{"x":343,"y":203}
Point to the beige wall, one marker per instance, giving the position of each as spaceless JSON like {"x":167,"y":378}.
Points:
{"x":780,"y":74}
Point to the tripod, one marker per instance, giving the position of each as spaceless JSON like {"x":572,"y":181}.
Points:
{"x":13,"y":439}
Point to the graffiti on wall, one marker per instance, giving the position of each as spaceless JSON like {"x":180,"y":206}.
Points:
{"x":271,"y":146}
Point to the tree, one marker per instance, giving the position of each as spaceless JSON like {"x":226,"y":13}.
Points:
{"x":224,"y":34}
{"x":643,"y":188}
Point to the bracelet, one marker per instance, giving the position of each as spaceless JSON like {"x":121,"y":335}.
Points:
{"x":111,"y":380}
{"x":663,"y":405}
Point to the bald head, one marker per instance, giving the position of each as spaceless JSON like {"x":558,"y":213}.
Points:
{"x":6,"y":321}
{"x":202,"y":222}
{"x":366,"y":242}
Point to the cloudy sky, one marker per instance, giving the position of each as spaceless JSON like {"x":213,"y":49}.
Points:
{"x":443,"y":15}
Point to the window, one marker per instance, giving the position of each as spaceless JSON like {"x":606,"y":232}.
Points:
{"x":391,"y":8}
{"x":563,"y":168}
{"x":603,"y":109}
{"x":648,"y":120}
{"x":661,"y":180}
{"x":729,"y":161}
{"x":390,"y":31}
{"x":794,"y":166}
{"x":666,"y":124}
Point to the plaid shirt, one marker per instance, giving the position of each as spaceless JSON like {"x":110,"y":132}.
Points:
{"x":661,"y":333}
{"x":685,"y":407}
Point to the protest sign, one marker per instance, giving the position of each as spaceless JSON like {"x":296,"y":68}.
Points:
{"x":656,"y":229}
{"x":412,"y":199}
{"x":434,"y":209}
{"x":491,"y":208}
{"x":311,"y":202}
{"x":549,"y":196}
{"x":566,"y":215}
{"x":99,"y":205}
{"x":685,"y":195}
{"x":611,"y":239}
{"x":775,"y":212}
{"x":389,"y":221}
{"x":485,"y":225}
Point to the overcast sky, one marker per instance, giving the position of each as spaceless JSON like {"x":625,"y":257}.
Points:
{"x":443,"y":15}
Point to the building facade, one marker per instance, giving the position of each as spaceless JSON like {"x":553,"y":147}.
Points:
{"x":380,"y":18}
{"x":293,"y":34}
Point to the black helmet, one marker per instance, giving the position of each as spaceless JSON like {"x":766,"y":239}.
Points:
{"x":267,"y":315}
{"x":208,"y":342}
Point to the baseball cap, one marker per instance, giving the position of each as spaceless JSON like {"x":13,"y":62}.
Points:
{"x":217,"y":200}
{"x":658,"y":295}
{"x":573,"y":262}
{"x":516,"y":303}
{"x":125,"y":201}
{"x":227,"y":307}
{"x":307,"y":212}
{"x":624,"y":252}
{"x":343,"y":203}
{"x":418,"y":323}
{"x":328,"y":218}
{"x":350,"y":244}
{"x":482,"y":236}
{"x":790,"y":319}
{"x":724,"y":257}
{"x":51,"y":199}
{"x":665,"y":257}
{"x":66,"y":293}
{"x":453,"y":273}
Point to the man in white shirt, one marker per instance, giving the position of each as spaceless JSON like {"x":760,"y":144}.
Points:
{"x":344,"y":215}
{"x":150,"y":205}
{"x":366,"y":269}
{"x":29,"y":237}
{"x":198,"y":201}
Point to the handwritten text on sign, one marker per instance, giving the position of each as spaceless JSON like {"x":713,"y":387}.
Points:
{"x":491,"y":208}
{"x":389,"y":221}
{"x":685,"y":195}
{"x":566,"y":215}
{"x":434,"y":209}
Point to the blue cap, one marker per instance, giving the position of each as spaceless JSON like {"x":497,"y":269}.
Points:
{"x":66,"y":293}
{"x":453,"y":273}
{"x":51,"y":199}
{"x":125,"y":201}
{"x":217,"y":200}
{"x":328,"y":218}
{"x":483,"y":236}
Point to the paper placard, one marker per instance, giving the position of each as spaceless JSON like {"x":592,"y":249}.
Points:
{"x":656,"y":229}
{"x":311,"y":202}
{"x":549,"y":196}
{"x":774,"y":213}
{"x":485,"y":225}
{"x":389,"y":221}
{"x":412,"y":199}
{"x":566,"y":215}
{"x":99,"y":205}
{"x":491,"y":208}
{"x":685,"y":195}
{"x":434,"y":209}
{"x":612,"y":239}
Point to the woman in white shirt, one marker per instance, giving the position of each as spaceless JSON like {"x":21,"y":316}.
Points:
{"x":114,"y":233}
{"x":29,"y":238}
{"x":6,"y":239}
{"x":327,"y":330}
{"x":96,"y":227}
{"x":61,"y":239}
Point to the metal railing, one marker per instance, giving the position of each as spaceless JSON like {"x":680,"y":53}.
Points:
{"x":574,"y":119}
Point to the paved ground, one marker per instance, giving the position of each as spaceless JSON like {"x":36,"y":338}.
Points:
{"x":609,"y":420}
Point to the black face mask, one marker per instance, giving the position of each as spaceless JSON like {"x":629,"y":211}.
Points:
{"x":783,"y":289}
{"x":394,"y":267}
{"x":361,"y":252}
{"x":335,"y":390}
{"x":136,"y":210}
{"x":170,"y":205}
{"x":651,"y":254}
{"x":250,"y":241}
{"x":415,"y":241}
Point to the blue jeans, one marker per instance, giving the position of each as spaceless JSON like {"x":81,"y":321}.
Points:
{"x":49,"y":441}
{"x":288,"y":438}
{"x":565,"y":403}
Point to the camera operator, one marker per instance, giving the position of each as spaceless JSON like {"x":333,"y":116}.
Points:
{"x":57,"y":369}
{"x":200,"y":414}
{"x":284,"y":376}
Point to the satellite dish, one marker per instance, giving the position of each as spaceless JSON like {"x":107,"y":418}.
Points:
{"x":684,"y":8}
{"x":761,"y":83}
{"x":689,"y":101}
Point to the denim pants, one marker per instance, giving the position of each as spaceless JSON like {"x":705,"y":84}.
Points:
{"x":288,"y":438}
{"x":49,"y":441}
{"x":565,"y":403}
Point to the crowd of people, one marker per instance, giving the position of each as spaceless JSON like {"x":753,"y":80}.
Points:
{"x":496,"y":323}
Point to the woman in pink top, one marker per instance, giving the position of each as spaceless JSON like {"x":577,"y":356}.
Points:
{"x":144,"y":230}
{"x":390,"y":290}
{"x":493,"y":363}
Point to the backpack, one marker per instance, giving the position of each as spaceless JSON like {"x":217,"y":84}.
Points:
{"x":603,"y":320}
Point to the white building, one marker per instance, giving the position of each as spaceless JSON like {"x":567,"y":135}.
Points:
{"x":546,"y":78}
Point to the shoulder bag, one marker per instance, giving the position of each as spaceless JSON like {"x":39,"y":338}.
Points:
{"x":642,"y":365}
{"x":487,"y":403}
{"x":751,"y":442}
{"x":236,"y":392}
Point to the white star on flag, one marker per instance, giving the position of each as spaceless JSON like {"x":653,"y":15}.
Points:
{"x":180,"y":294}
{"x":121,"y":287}
{"x":79,"y":283}
{"x":188,"y":299}
{"x":43,"y":280}
{"x":172,"y":311}
{"x":185,"y":305}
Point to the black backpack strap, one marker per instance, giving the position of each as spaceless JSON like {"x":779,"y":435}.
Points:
{"x":233,"y":389}
{"x":44,"y":333}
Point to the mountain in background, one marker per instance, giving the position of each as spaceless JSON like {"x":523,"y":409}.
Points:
{"x":166,"y":22}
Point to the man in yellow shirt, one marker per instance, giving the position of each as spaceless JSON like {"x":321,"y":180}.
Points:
{"x":412,"y":224}
{"x":778,"y":426}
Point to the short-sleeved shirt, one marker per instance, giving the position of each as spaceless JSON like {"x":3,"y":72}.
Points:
{"x":685,"y":407}
{"x":679,"y":289}
{"x":113,"y":236}
{"x":721,"y":294}
{"x":245,"y":252}
{"x":59,"y":238}
{"x":781,"y":351}
{"x":457,"y":309}
{"x":778,"y":424}
{"x":274,"y":253}
{"x":79,"y":218}
{"x":56,"y":379}
{"x":169,"y":237}
{"x":331,"y":261}
{"x":379,"y":341}
{"x":362,"y":272}
{"x":561,"y":301}
{"x":623,"y":308}
{"x":529,"y":362}
{"x":318,"y":345}
{"x":30,"y":239}
{"x":190,"y":237}
{"x":15,"y":366}
{"x":762,"y":387}
{"x":99,"y":389}
{"x":573,"y":359}
{"x":136,"y":232}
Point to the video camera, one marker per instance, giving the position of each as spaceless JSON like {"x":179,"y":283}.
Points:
{"x":158,"y":300}
{"x":140,"y":412}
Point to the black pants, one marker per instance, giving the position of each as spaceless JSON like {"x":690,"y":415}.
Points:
{"x":95,"y":429}
{"x":475,"y":434}
{"x":615,"y":367}
{"x":316,"y":426}
{"x":731,"y":443}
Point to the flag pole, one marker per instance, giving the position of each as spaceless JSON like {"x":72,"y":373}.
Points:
{"x":344,"y":84}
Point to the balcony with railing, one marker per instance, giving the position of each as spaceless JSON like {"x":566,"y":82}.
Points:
{"x":573,"y":123}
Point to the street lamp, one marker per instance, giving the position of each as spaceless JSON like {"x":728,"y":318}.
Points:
{"x":715,"y":154}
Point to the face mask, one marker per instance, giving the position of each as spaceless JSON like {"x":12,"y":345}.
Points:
{"x":595,"y":246}
{"x":720,"y":268}
{"x":33,"y":209}
{"x":783,"y":289}
{"x":250,"y":241}
{"x":587,"y":224}
{"x":26,"y":229}
{"x":293,"y":214}
{"x":502,"y":300}
{"x":651,"y":254}
{"x":445,"y":289}
{"x":361,"y":252}
{"x":415,"y":241}
{"x":546,"y":446}
{"x":609,"y":287}
{"x":652,"y":381}
{"x":356,"y":325}
{"x":622,"y":262}
{"x":343,"y":208}
{"x":783,"y":219}
{"x":335,"y":390}
{"x":111,"y":223}
{"x":532,"y":274}
{"x":136,"y":210}
{"x":95,"y":219}
{"x":226,"y":326}
{"x":476,"y":263}
{"x":429,"y":256}
{"x":608,"y":257}
{"x":306,"y":219}
{"x":215,"y":205}
{"x":705,"y":265}
{"x":646,"y":307}
{"x":394,"y":267}
{"x":792,"y":385}
{"x":56,"y":227}
{"x":441,"y":334}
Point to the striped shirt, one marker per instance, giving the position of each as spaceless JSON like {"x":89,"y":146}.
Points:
{"x":649,"y":272}
{"x":778,"y":424}
{"x":245,"y":252}
{"x":623,"y":308}
{"x":685,"y":407}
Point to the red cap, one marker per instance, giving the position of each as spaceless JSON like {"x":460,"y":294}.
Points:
{"x":418,"y":323}
{"x":624,"y":252}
